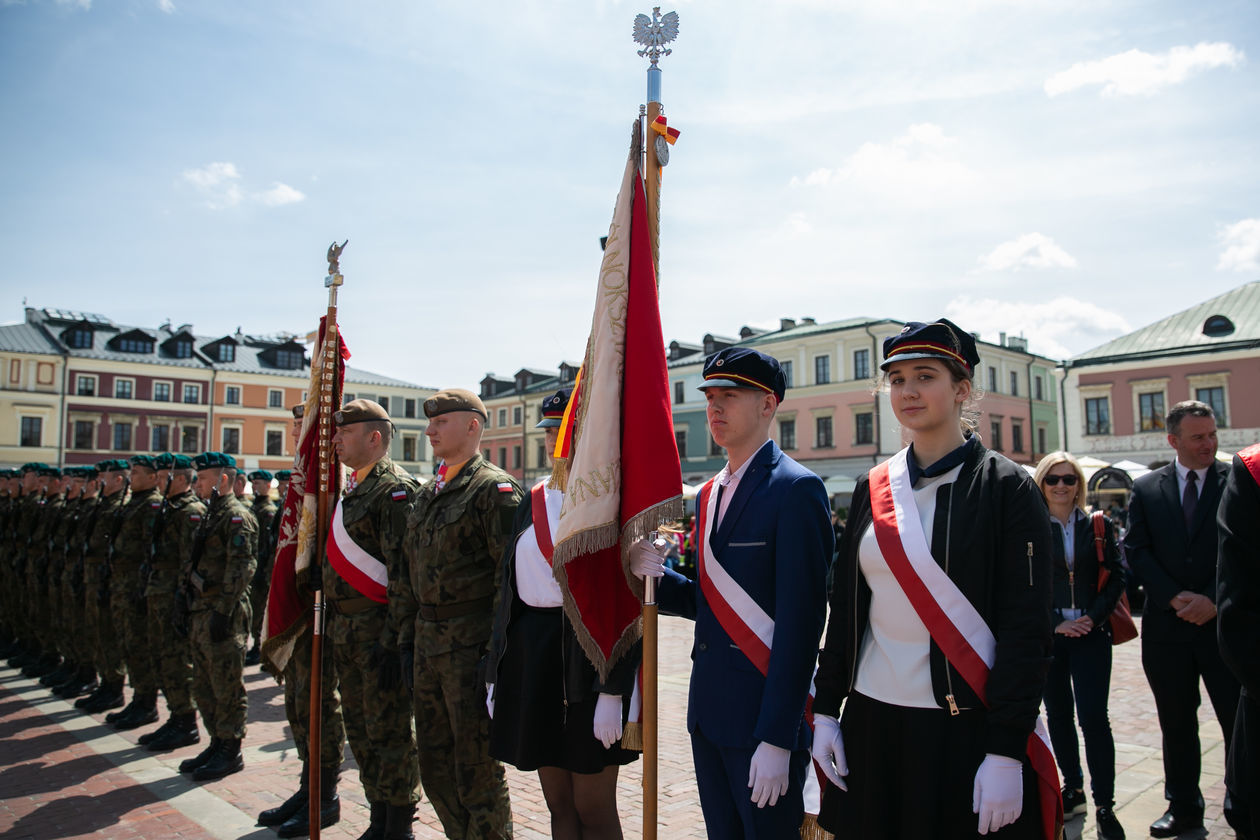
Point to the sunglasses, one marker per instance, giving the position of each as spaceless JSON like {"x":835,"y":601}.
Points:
{"x":1068,"y":480}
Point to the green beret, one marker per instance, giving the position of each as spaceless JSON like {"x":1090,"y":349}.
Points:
{"x":89,"y":472}
{"x":7,"y":473}
{"x":164,"y":461}
{"x":259,"y":475}
{"x":146,"y":461}
{"x":454,"y":399}
{"x":49,"y":472}
{"x":360,"y":411}
{"x":113,"y":465}
{"x":32,"y":466}
{"x":284,"y":475}
{"x":214,"y":460}
{"x":181,"y":462}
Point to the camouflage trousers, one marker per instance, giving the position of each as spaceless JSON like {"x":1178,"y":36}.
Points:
{"x":219,"y":672}
{"x":297,"y":703}
{"x":172,"y":654}
{"x":378,"y":725}
{"x":106,"y":653}
{"x":37,"y":604}
{"x":467,"y":787}
{"x":73,"y":618}
{"x":128,"y":609}
{"x":258,"y":601}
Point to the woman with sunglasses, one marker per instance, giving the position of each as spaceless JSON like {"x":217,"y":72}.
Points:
{"x":1082,"y":642}
{"x":939,"y":636}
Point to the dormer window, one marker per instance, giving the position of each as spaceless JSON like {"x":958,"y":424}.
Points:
{"x":135,"y":345}
{"x":225,"y":352}
{"x":182,"y":349}
{"x":79,"y":338}
{"x":1217,"y":326}
{"x":290,"y":359}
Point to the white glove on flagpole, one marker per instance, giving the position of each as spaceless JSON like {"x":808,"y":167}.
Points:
{"x":647,"y":559}
{"x":828,"y":750}
{"x":490,"y":700}
{"x":608,"y":719}
{"x":998,"y":795}
{"x":768,"y":774}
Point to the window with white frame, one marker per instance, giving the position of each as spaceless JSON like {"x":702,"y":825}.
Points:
{"x":124,"y":389}
{"x":122,"y":436}
{"x":160,"y":437}
{"x":232,"y":395}
{"x":161,"y":392}
{"x":1212,"y":389}
{"x":192,"y":393}
{"x":1150,"y":404}
{"x":862,"y":364}
{"x":85,"y":385}
{"x":275,"y":443}
{"x":822,"y":370}
{"x":275,"y":398}
{"x":32,"y":433}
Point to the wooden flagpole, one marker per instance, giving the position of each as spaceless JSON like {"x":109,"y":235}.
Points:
{"x":329,"y":401}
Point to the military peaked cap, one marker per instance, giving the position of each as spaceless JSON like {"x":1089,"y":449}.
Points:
{"x":259,"y":475}
{"x":743,"y":367}
{"x":298,"y":411}
{"x":941,"y":339}
{"x":553,"y":409}
{"x":360,"y":411}
{"x":454,"y":399}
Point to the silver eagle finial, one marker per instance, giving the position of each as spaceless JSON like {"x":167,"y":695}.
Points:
{"x":652,"y":32}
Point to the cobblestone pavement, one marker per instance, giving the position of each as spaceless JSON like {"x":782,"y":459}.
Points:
{"x":64,"y":774}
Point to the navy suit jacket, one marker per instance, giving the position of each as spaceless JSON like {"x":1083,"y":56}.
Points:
{"x":1166,"y":556}
{"x":776,"y":541}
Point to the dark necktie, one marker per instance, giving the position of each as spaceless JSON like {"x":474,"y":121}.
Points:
{"x":1190,"y":499}
{"x":717,"y":512}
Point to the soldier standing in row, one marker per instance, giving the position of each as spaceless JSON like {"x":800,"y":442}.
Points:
{"x":128,"y":575}
{"x":291,"y":817}
{"x":219,"y":569}
{"x":443,"y":600}
{"x":74,"y":613}
{"x":24,"y":518}
{"x":365,"y":542}
{"x":265,"y":511}
{"x":47,"y":513}
{"x":58,"y":597}
{"x":96,"y":557}
{"x":8,"y":627}
{"x":172,"y":542}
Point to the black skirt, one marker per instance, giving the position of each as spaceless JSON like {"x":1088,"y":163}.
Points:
{"x":533,"y":726}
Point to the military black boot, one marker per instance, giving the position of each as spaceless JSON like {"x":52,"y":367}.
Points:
{"x":181,"y":732}
{"x":144,"y":711}
{"x":113,"y":717}
{"x":42,"y":667}
{"x":81,"y":683}
{"x":225,"y":762}
{"x":285,"y":811}
{"x":299,"y":825}
{"x":92,"y":697}
{"x":62,"y":673}
{"x":253,"y":656}
{"x":188,"y":765}
{"x":398,"y":822}
{"x":149,"y":737}
{"x":376,"y":828}
{"x":108,"y":696}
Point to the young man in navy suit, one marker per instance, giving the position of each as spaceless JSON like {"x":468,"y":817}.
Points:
{"x":764,"y":540}
{"x":1172,"y":548}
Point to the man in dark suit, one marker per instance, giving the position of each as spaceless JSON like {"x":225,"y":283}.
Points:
{"x":1172,"y":548}
{"x":765,"y":541}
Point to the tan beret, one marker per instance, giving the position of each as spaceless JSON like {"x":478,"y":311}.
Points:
{"x":360,"y":411}
{"x":454,"y":399}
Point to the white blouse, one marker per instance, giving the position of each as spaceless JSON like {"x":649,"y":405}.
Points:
{"x":534,"y":581}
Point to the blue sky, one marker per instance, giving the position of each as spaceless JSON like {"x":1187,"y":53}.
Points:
{"x":1067,"y":170}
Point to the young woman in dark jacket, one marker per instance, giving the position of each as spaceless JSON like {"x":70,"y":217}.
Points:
{"x":549,"y":710}
{"x":919,"y":752}
{"x":1082,"y":642}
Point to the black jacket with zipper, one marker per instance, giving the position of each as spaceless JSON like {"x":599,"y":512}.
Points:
{"x":998,"y":554}
{"x":1083,"y":593}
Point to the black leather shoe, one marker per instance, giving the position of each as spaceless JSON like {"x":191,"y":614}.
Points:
{"x":1109,"y":827}
{"x":1171,"y":825}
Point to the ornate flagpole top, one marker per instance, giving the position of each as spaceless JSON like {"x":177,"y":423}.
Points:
{"x":652,"y":32}
{"x":334,"y":263}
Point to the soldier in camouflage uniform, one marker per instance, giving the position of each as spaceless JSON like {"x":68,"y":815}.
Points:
{"x":219,"y":569}
{"x":265,"y":511}
{"x":8,"y":492}
{"x":443,"y":599}
{"x":129,"y":569}
{"x":24,"y":517}
{"x":107,"y":651}
{"x":47,"y":512}
{"x":73,"y":613}
{"x":58,"y":535}
{"x":296,"y":677}
{"x":172,"y":542}
{"x":370,"y":521}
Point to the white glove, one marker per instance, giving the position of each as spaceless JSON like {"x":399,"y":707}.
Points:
{"x":768,"y":774}
{"x":608,"y":719}
{"x":998,"y":795}
{"x":490,"y":700}
{"x":828,"y":750}
{"x":647,"y":559}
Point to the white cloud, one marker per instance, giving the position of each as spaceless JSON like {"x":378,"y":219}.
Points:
{"x":82,"y":4}
{"x":919,"y":163}
{"x":1032,"y":250}
{"x":280,"y":194}
{"x":1051,"y":327}
{"x":166,"y":6}
{"x":1240,"y":246}
{"x":1140,"y":73}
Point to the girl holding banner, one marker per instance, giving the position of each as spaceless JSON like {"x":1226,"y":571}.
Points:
{"x":940,"y":633}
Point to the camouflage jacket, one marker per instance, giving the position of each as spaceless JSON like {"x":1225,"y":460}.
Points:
{"x":44,"y":520}
{"x":79,"y":525}
{"x":60,"y":548}
{"x":108,"y":511}
{"x":451,"y":554}
{"x":173,"y":543}
{"x":265,"y":510}
{"x":51,"y":515}
{"x":375,"y":516}
{"x":25,"y":518}
{"x":228,"y":556}
{"x":132,"y":545}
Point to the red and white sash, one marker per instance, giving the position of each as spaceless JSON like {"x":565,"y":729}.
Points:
{"x":743,"y":619}
{"x":542,"y":523}
{"x":356,"y":567}
{"x":953,"y":622}
{"x":1251,"y":460}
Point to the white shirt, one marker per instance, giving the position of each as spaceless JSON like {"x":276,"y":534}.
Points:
{"x":1182,"y":472}
{"x":893,"y":661}
{"x":1069,"y":552}
{"x":729,"y":481}
{"x":535,"y":582}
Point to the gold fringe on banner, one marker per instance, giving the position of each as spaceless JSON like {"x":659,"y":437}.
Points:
{"x":811,"y":830}
{"x":632,"y":738}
